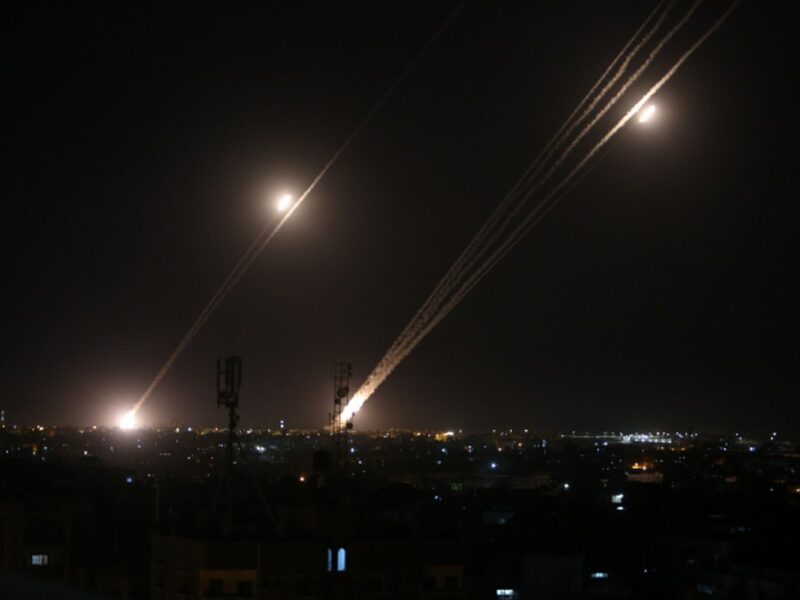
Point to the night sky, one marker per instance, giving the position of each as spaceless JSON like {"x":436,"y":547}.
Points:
{"x":146,"y":145}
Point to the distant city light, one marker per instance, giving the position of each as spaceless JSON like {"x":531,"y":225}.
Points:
{"x":493,"y":465}
{"x":599,"y":575}
{"x":617,"y":498}
{"x":645,"y":438}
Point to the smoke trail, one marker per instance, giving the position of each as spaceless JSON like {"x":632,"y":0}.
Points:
{"x":385,"y":368}
{"x":206,"y":313}
{"x":473,"y":251}
{"x":532,"y":219}
{"x":609,"y":105}
{"x":268,"y":233}
{"x":478,"y":246}
{"x":631,"y":80}
{"x":620,"y":72}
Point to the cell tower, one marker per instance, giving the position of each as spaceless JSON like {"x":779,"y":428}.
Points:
{"x":341,"y":374}
{"x":250,"y":515}
{"x":229,"y":380}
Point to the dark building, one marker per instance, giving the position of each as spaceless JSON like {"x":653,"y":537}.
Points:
{"x":187,"y":568}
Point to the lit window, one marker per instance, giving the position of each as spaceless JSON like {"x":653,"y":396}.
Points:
{"x":330,"y":560}
{"x":39,"y":560}
{"x":506,"y":593}
{"x":341,"y":560}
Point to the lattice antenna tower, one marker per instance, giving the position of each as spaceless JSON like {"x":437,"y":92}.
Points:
{"x":229,"y":380}
{"x":341,"y":374}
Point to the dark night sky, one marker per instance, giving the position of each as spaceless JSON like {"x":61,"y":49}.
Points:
{"x":145,"y":142}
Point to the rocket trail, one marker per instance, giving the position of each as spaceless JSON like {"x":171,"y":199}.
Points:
{"x":489,"y":232}
{"x":411,"y":339}
{"x":270,"y":231}
{"x":609,"y":105}
{"x":587,"y":129}
{"x":477,"y":245}
{"x":558,"y":192}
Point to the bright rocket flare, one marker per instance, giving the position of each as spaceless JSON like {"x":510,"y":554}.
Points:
{"x":355,"y":404}
{"x":128,"y":420}
{"x":647,"y":114}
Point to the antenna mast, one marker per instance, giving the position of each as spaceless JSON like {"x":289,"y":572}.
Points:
{"x":229,"y":379}
{"x":341,"y":374}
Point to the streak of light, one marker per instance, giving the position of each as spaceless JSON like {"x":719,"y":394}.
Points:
{"x":420,"y":323}
{"x":270,"y":231}
{"x":479,"y":244}
{"x":416,"y":330}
